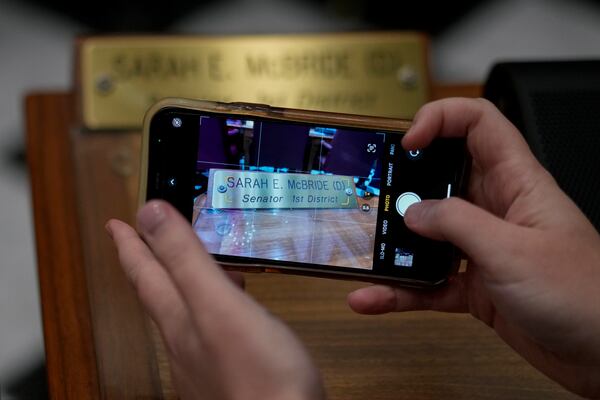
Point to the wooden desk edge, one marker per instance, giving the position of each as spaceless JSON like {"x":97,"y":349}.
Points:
{"x":68,"y":333}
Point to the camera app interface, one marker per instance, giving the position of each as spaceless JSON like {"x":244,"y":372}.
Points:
{"x":288,"y":192}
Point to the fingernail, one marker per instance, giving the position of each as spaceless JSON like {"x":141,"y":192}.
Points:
{"x":151,"y":216}
{"x":108,"y":229}
{"x":413,"y":124}
{"x":408,"y":133}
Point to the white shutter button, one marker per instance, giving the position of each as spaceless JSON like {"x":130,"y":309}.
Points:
{"x":405,"y":200}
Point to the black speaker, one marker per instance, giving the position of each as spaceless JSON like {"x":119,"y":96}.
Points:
{"x":556,"y":105}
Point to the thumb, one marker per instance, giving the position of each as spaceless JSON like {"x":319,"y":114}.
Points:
{"x":485,"y":238}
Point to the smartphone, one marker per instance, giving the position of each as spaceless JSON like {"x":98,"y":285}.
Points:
{"x":302,"y":192}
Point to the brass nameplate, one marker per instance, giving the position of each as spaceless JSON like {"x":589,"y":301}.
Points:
{"x":254,"y":189}
{"x":382,"y":74}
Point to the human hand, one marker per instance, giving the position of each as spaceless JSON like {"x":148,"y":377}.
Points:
{"x":221,"y":343}
{"x":534,"y":259}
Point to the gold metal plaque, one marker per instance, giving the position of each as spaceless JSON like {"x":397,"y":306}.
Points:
{"x":237,"y":189}
{"x":381,"y":74}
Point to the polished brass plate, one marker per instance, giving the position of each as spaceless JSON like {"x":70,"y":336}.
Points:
{"x":381,"y":74}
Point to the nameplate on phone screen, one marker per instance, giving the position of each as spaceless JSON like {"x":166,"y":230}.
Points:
{"x":236,"y":189}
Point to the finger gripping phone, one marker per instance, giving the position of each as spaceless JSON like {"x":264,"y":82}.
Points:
{"x":302,"y":192}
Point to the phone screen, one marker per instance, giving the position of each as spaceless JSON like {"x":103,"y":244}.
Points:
{"x":311,"y":196}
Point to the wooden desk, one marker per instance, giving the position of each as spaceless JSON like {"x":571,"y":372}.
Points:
{"x":99,"y":344}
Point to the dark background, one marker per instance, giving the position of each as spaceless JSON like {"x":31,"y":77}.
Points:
{"x":139,"y":15}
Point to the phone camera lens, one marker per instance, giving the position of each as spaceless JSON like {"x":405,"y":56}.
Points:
{"x":177,"y":122}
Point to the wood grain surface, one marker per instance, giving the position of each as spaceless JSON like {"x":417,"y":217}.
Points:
{"x":99,"y":343}
{"x":106,"y":182}
{"x":68,"y":333}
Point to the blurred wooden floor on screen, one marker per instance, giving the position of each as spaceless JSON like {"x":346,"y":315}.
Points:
{"x":343,"y":237}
